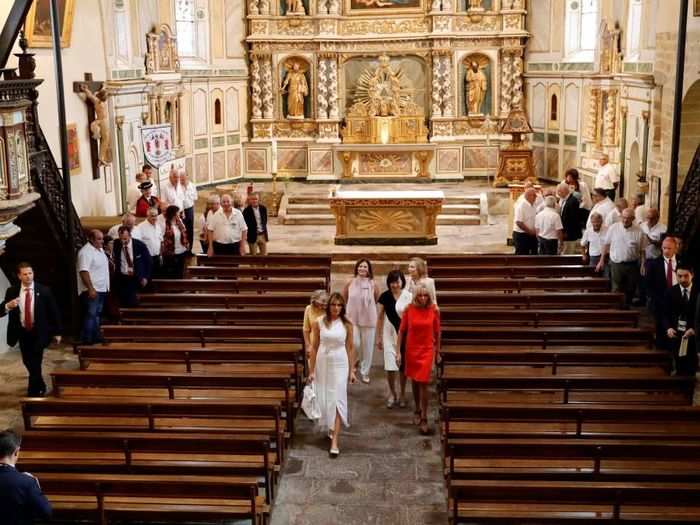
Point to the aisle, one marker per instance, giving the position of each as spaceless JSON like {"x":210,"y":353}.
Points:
{"x":387,"y":473}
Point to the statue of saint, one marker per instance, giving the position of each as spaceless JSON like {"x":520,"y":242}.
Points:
{"x":476,"y":89}
{"x":295,"y":86}
{"x":100,"y":126}
{"x":295,"y":7}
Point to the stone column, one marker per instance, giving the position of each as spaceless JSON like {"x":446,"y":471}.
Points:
{"x":610,"y":119}
{"x":517,"y":84}
{"x":266,"y":86}
{"x":256,"y":89}
{"x":333,"y":111}
{"x":435,"y":93}
{"x":322,"y":88}
{"x":506,"y":81}
{"x":447,"y":96}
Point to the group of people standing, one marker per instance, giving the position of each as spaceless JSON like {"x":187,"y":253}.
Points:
{"x":342,"y":331}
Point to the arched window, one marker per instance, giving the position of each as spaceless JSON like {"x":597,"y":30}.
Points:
{"x":185,"y":26}
{"x":217,"y":112}
{"x":581,"y":31}
{"x":633,"y":42}
{"x":554,"y":108}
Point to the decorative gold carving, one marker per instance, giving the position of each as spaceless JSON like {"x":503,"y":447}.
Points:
{"x":384,"y":26}
{"x":295,"y":130}
{"x":295,"y":27}
{"x":591,"y":129}
{"x":262,"y":130}
{"x":161,"y":54}
{"x":258,"y":27}
{"x":346,"y":158}
{"x":388,"y":220}
{"x":610,"y":119}
{"x":512,"y":21}
{"x":609,"y":49}
{"x":295,"y":8}
{"x":484,"y":23}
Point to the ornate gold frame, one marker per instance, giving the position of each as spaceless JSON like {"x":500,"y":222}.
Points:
{"x":378,"y":11}
{"x":43,"y":40}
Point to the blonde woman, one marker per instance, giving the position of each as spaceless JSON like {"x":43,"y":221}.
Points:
{"x":313,"y":312}
{"x":417,"y":275}
{"x":332,"y":355}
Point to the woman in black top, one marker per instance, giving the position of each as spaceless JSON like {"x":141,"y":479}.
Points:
{"x":388,"y":322}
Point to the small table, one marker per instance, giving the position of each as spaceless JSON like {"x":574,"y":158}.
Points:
{"x":386,"y":217}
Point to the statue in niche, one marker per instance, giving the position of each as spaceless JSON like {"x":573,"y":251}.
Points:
{"x":296,"y":87}
{"x":476,"y":87}
{"x":100,"y":126}
{"x":475,"y":4}
{"x":295,"y":8}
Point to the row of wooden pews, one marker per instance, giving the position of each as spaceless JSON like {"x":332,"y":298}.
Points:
{"x":557,"y":409}
{"x":185,"y":413}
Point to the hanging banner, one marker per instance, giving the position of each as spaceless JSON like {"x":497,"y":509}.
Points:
{"x":157,"y":144}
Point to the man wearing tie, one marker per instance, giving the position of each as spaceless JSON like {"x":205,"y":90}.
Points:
{"x":133,"y":262}
{"x":679,"y":321}
{"x":34,"y":320}
{"x":661,"y":276}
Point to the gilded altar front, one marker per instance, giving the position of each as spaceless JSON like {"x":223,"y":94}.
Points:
{"x":386,"y":217}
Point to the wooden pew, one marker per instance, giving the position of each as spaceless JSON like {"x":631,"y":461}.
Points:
{"x":213,"y":316}
{"x":267,"y":261}
{"x":259,"y":272}
{"x":547,"y":336}
{"x":582,"y":421}
{"x":555,"y":502}
{"x":474,"y":385}
{"x":574,"y":459}
{"x":202,"y":334}
{"x":105,"y":498}
{"x":159,"y":454}
{"x":536,"y":317}
{"x":511,"y":272}
{"x":467,"y":284}
{"x":226,"y":300}
{"x":231,"y":286}
{"x":531,"y":299}
{"x":501,"y":260}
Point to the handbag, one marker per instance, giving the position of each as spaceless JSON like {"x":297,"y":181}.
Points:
{"x":309,"y":403}
{"x":403,"y":301}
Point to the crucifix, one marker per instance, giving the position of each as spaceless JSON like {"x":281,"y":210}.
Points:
{"x":94,"y":94}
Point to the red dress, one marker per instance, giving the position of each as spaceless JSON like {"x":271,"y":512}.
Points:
{"x":419,"y":325}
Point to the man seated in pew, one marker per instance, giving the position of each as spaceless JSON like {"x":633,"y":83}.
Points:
{"x":592,"y":241}
{"x":255,"y":215}
{"x":132,"y":262}
{"x":550,"y":231}
{"x":228,"y":231}
{"x":21,"y":498}
{"x":680,"y":305}
{"x":128,"y":220}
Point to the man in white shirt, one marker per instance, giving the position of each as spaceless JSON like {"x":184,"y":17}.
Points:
{"x":550,"y":231}
{"x":640,"y":209}
{"x":150,"y":232}
{"x":93,"y":285}
{"x":603,"y":205}
{"x":188,"y":202}
{"x":654,"y":230}
{"x":173,"y":194}
{"x":624,"y":246}
{"x":524,"y":233}
{"x":607,"y":177}
{"x":128,"y":220}
{"x":227,"y":230}
{"x":616,"y":214}
{"x":592,"y":240}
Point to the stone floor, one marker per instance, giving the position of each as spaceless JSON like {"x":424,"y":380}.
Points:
{"x":387,"y":473}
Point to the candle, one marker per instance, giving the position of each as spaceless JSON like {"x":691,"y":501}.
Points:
{"x":274,"y":156}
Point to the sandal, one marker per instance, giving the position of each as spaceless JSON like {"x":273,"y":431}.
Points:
{"x":417,"y":417}
{"x":424,"y":428}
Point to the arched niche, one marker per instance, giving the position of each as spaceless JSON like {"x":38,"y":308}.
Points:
{"x":217,"y":110}
{"x":483,"y":70}
{"x":284,"y":68}
{"x":554,"y":107}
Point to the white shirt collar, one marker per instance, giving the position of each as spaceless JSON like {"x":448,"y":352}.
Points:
{"x":689,"y":288}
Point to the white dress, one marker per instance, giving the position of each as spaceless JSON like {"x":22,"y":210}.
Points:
{"x":389,"y":342}
{"x":331,"y":381}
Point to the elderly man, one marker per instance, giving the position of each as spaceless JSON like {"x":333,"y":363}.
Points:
{"x":607,"y":177}
{"x":592,"y":241}
{"x":616,"y":214}
{"x":524,"y":233}
{"x":640,"y":209}
{"x":624,"y":246}
{"x":172,"y":192}
{"x":128,"y":220}
{"x":150,"y":232}
{"x":132,"y":262}
{"x":147,"y":199}
{"x":680,"y":305}
{"x":227,"y":230}
{"x":188,"y":202}
{"x":654,"y":231}
{"x":603,"y":205}
{"x":255,"y":215}
{"x":570,"y":212}
{"x":550,"y":231}
{"x":93,"y":285}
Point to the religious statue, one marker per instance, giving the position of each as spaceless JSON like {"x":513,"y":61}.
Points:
{"x":476,"y":88}
{"x":475,"y":4}
{"x":296,"y":87}
{"x":100,"y":126}
{"x":295,"y":7}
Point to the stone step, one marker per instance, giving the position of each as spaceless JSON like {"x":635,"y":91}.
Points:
{"x":473,"y":200}
{"x":461,"y":209}
{"x":327,"y":218}
{"x":323,"y":209}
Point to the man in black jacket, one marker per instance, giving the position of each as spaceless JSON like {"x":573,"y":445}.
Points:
{"x":132,"y":263}
{"x":255,"y":216}
{"x":679,"y":321}
{"x":660,"y":276}
{"x":21,"y":499}
{"x":570,"y":211}
{"x":34,"y":320}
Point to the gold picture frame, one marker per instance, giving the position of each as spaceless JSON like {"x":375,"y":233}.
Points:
{"x":383,"y":7}
{"x":73,"y":148}
{"x":38,"y":23}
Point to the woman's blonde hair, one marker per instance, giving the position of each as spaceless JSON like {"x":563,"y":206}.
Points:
{"x":422,"y":289}
{"x":421,"y":266}
{"x":319,"y":296}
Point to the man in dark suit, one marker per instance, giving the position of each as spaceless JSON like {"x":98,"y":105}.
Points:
{"x":132,"y":262}
{"x":34,"y":320}
{"x":570,"y":211}
{"x":660,"y":275}
{"x":679,"y":321}
{"x":255,"y":216}
{"x":21,"y":499}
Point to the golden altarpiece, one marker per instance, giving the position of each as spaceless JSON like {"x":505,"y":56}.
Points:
{"x":395,"y":89}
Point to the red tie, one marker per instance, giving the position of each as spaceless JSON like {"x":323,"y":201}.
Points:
{"x":28,"y":309}
{"x":669,"y":273}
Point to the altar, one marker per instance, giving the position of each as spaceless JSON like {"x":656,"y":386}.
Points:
{"x":386,"y":217}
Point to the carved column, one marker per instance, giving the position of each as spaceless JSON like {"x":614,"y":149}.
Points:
{"x":266,"y":86}
{"x":322,"y":88}
{"x":517,"y":83}
{"x":333,"y":86}
{"x":506,"y":81}
{"x":610,"y":119}
{"x":591,"y":130}
{"x":435,"y":88}
{"x":256,"y":88}
{"x":180,"y":96}
{"x":447,"y":97}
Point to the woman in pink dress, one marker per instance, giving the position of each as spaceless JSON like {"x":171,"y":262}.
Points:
{"x":420,"y":326}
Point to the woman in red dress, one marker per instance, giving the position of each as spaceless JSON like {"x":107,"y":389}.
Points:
{"x":420,"y":325}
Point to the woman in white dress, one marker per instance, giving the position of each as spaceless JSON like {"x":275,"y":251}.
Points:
{"x":388,"y":322}
{"x":332,"y":352}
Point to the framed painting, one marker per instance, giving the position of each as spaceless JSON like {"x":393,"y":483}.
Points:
{"x":382,"y":7}
{"x":38,"y":23}
{"x":73,"y":149}
{"x":696,"y":7}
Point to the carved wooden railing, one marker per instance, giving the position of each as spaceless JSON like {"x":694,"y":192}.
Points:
{"x":688,"y":203}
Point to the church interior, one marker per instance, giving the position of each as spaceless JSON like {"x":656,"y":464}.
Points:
{"x":408,"y":133}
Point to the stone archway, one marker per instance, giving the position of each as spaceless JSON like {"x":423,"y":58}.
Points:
{"x":634,"y":167}
{"x":690,"y":130}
